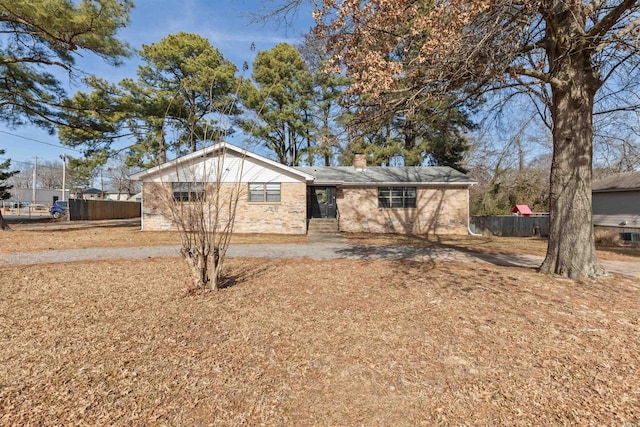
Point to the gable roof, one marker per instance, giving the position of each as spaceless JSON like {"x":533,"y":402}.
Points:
{"x":90,"y":191}
{"x":523,"y":209}
{"x":213,"y":150}
{"x":626,"y":181}
{"x":334,"y":175}
{"x":379,"y":175}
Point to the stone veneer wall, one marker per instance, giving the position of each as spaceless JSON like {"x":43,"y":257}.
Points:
{"x":438,"y":210}
{"x":287,"y":217}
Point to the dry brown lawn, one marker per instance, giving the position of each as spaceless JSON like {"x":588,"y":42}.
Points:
{"x":303,"y":342}
{"x":24,"y":238}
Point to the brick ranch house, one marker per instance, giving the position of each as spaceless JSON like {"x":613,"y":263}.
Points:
{"x":274,"y":198}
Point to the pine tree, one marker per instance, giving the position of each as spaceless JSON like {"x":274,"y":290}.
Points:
{"x":5,"y":174}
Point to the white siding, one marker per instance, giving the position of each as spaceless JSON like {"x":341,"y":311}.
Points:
{"x":617,"y":209}
{"x":231,"y":168}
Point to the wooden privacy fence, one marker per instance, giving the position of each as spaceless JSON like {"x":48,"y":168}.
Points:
{"x":511,"y":226}
{"x":87,"y":210}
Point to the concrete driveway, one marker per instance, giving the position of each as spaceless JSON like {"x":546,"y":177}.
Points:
{"x":316,"y":250}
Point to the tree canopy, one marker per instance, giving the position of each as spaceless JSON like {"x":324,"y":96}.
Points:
{"x":430,"y":136}
{"x":37,"y":36}
{"x":184,"y":93}
{"x":5,"y":174}
{"x":197,"y":80}
{"x":330,"y":117}
{"x":279,"y":97}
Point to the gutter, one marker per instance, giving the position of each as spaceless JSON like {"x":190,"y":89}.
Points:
{"x":410,"y":184}
{"x":392,"y":184}
{"x":615,"y":190}
{"x":471,"y":233}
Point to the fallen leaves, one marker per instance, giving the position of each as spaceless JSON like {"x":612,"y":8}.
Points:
{"x":303,"y":342}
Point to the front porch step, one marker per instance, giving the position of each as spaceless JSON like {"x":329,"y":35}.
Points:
{"x":323,"y":226}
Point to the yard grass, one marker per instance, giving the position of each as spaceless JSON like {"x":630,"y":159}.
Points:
{"x":301,"y":342}
{"x":25,"y":238}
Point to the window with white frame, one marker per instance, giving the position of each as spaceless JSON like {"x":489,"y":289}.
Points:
{"x":188,"y":191}
{"x":264,"y":192}
{"x":396,"y":197}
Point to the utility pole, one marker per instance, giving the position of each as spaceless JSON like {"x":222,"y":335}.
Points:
{"x":64,"y":176}
{"x":35,"y":182}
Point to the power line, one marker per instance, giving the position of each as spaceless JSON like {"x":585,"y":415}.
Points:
{"x":40,"y":165}
{"x":41,"y":142}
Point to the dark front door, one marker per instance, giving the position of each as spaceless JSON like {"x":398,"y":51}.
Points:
{"x":322,"y":201}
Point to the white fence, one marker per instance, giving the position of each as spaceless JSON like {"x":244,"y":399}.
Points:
{"x":26,"y":209}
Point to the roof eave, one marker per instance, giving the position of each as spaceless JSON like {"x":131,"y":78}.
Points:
{"x":328,"y":182}
{"x":399,"y":183}
{"x":614,"y":190}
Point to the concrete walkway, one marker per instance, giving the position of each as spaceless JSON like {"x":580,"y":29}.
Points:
{"x":316,"y":250}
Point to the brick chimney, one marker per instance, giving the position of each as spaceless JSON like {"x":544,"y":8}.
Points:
{"x":360,"y":162}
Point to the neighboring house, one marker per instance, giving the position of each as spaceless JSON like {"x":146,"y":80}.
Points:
{"x":616,"y":200}
{"x":43,"y":196}
{"x":88,"y":194}
{"x":117,"y":196}
{"x":280,"y":199}
{"x":136,"y":197}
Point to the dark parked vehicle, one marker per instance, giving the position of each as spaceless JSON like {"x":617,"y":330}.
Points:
{"x":18,"y":205}
{"x":58,"y":208}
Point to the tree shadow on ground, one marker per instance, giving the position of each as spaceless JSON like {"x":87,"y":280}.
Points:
{"x":410,"y":271}
{"x":631,"y":251}
{"x":386,"y":252}
{"x":237,"y":276}
{"x":499,"y":258}
{"x":432,"y":249}
{"x":230,"y":277}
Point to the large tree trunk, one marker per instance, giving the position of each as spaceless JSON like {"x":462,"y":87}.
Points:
{"x":571,"y":251}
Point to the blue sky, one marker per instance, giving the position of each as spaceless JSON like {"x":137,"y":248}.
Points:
{"x":227,"y":25}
